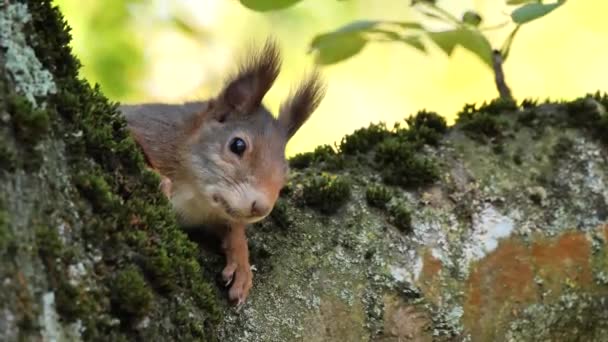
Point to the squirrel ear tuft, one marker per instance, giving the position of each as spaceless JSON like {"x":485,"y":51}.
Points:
{"x":301,"y":104}
{"x":246,"y":89}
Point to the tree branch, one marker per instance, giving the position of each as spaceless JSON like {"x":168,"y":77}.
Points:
{"x":499,"y":77}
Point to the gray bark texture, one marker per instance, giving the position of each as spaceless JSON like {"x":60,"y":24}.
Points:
{"x":494,"y":229}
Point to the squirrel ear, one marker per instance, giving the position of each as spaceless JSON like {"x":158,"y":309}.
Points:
{"x":301,"y":103}
{"x":245,"y":90}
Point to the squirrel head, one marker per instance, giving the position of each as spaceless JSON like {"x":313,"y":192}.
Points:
{"x":237,"y":147}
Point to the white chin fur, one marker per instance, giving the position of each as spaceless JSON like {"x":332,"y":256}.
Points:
{"x":193,"y":208}
{"x":197,"y":207}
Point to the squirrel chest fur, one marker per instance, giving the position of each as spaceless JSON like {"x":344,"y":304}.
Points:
{"x":223,"y":160}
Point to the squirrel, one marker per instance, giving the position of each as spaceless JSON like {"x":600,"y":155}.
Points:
{"x":222,"y":161}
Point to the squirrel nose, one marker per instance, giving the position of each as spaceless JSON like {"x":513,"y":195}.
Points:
{"x":258,"y":209}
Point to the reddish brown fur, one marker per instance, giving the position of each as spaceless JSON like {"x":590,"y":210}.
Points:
{"x":193,"y":127}
{"x":246,"y":89}
{"x":307,"y":97}
{"x":170,"y":141}
{"x":271,"y":179}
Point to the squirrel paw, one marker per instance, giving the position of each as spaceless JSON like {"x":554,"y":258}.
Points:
{"x":241,"y":277}
{"x":165,"y":186}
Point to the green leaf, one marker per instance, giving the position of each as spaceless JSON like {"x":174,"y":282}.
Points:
{"x":415,"y":42}
{"x":389,"y":35}
{"x":431,"y":15}
{"x":532,"y":11}
{"x":406,"y":24}
{"x":518,"y":2}
{"x":506,"y":48}
{"x":268,"y":5}
{"x":357,"y":26}
{"x":341,"y":44}
{"x":415,"y":2}
{"x":471,"y":40}
{"x":186,"y":27}
{"x":334,"y":49}
{"x":471,"y":18}
{"x":350,"y":39}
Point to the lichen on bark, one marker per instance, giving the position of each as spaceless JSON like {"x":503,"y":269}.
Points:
{"x":90,"y":247}
{"x":497,"y":241}
{"x":493,"y":229}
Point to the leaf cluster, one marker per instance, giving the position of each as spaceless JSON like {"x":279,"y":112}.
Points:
{"x":466,"y":31}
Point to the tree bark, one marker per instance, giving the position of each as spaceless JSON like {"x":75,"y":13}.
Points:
{"x":499,"y":76}
{"x":507,"y":242}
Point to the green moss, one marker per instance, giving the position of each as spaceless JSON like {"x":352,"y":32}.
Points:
{"x":600,"y":97}
{"x":400,"y":165}
{"x":423,"y":128}
{"x":517,"y":156}
{"x":69,"y":303}
{"x":28,"y":77}
{"x":302,"y":160}
{"x":95,"y":188}
{"x":482,"y":126}
{"x":427,"y":119}
{"x":49,"y":35}
{"x":563,"y":147}
{"x":130,"y":293}
{"x":170,"y":257}
{"x":590,"y":112}
{"x":378,"y":196}
{"x":279,"y":214}
{"x":537,"y":195}
{"x":529,"y":118}
{"x":363,"y":140}
{"x":529,"y":103}
{"x":160,"y":266}
{"x":573,"y":317}
{"x":497,"y":106}
{"x":485,"y":122}
{"x":583,"y":112}
{"x":602,"y":129}
{"x":426,"y":128}
{"x":326,"y":192}
{"x":49,"y":245}
{"x":8,"y":157}
{"x":187,"y":330}
{"x":30,"y":124}
{"x":5,"y":233}
{"x":401,"y":217}
{"x":133,"y":220}
{"x":323,"y":156}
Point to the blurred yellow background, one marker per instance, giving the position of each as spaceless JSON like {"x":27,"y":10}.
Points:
{"x":561,"y":56}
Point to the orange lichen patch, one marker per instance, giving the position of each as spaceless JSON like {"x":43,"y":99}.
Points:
{"x":336,"y":321}
{"x":503,"y":277}
{"x":506,"y":280}
{"x":405,"y":322}
{"x":568,"y":258}
{"x":605,"y":232}
{"x":430,"y":276}
{"x":431,"y":266}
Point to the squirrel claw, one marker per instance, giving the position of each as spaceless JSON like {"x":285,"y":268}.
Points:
{"x":228,"y":273}
{"x":241,"y":285}
{"x":165,"y":186}
{"x":239,"y":304}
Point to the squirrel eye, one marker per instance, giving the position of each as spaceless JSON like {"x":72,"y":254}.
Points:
{"x":238,"y":146}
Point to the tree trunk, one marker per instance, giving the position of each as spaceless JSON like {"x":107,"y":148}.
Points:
{"x":494,"y":229}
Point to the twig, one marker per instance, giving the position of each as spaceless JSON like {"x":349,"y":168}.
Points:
{"x":499,"y":76}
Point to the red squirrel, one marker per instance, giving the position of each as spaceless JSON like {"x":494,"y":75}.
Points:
{"x":222,"y":161}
